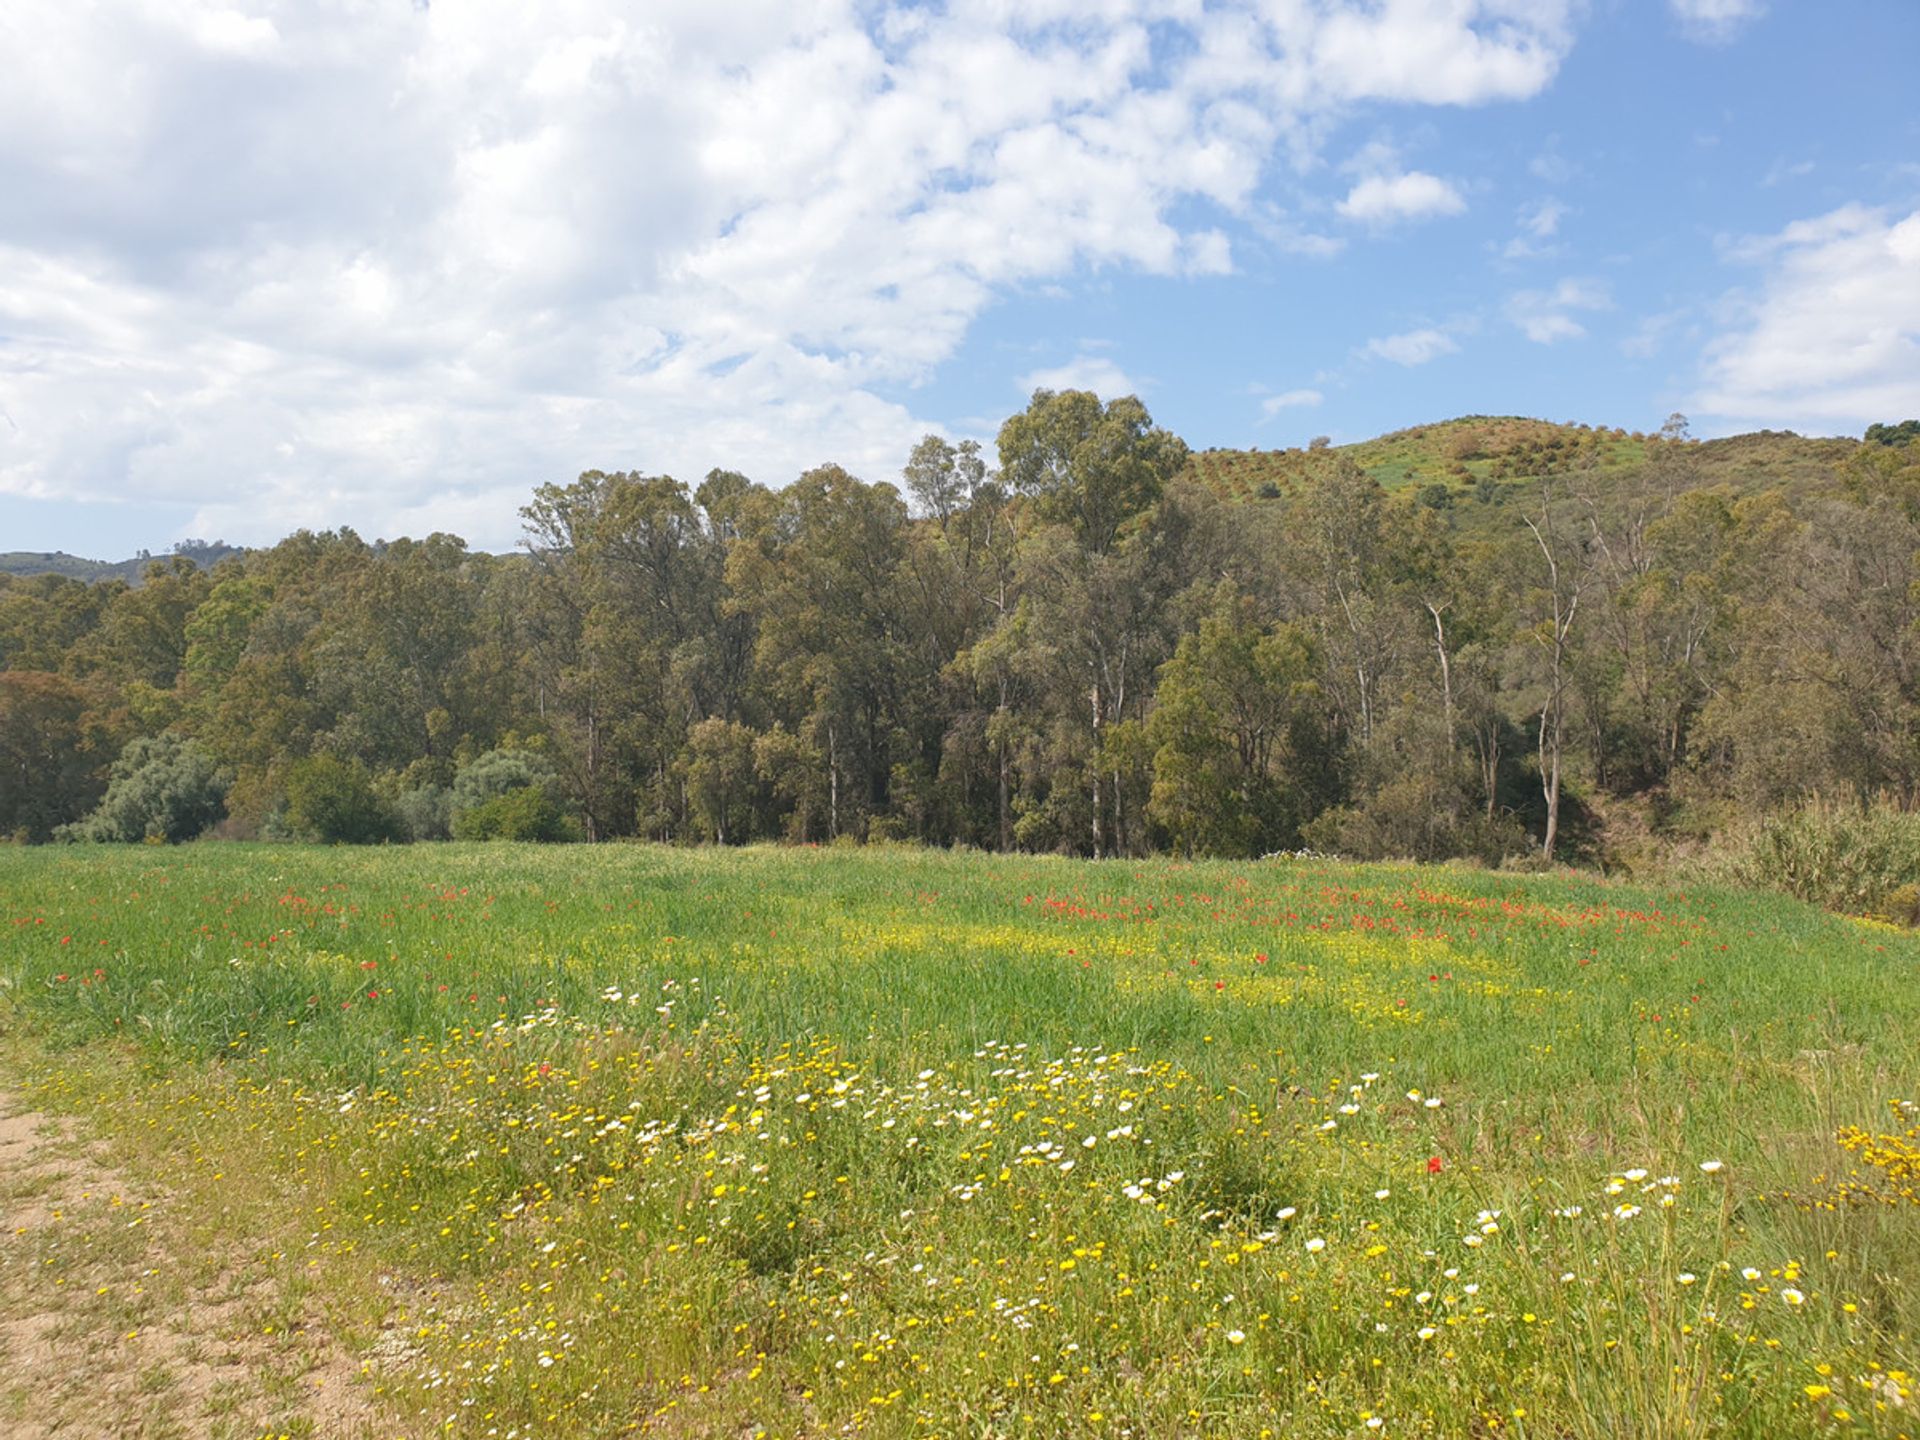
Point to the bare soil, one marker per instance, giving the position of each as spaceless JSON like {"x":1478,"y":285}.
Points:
{"x":114,"y":1325}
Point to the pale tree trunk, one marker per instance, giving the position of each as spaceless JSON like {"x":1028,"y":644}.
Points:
{"x":1096,"y":772}
{"x":1006,"y":815}
{"x":1446,"y":668}
{"x":1550,"y":773}
{"x":833,"y":783}
{"x":1564,"y":593}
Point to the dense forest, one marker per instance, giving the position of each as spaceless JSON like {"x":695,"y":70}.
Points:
{"x":1488,"y":638}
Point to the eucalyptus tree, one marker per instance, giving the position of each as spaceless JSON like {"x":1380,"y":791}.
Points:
{"x":1091,"y":473}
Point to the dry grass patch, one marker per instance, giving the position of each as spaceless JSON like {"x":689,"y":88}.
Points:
{"x":115,"y":1323}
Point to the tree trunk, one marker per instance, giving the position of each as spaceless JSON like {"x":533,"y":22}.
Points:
{"x":1550,"y":770}
{"x":1006,"y":815}
{"x":833,"y":784}
{"x":1446,"y":671}
{"x":593,"y":773}
{"x":1096,"y":772}
{"x":1489,"y":748}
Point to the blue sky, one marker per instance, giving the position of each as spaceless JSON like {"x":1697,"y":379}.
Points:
{"x":270,"y":263}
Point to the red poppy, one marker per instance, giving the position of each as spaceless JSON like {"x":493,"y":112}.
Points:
{"x":1433,"y":1165}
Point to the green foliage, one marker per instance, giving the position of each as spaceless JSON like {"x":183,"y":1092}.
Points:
{"x":1239,"y":742}
{"x":334,"y":802}
{"x":1087,"y":465}
{"x":163,"y":787}
{"x":720,"y":774}
{"x":1858,"y":859}
{"x":498,"y":773}
{"x":1417,"y":816}
{"x":56,"y":739}
{"x":426,"y":812}
{"x":529,"y":812}
{"x":1038,"y":655}
{"x":508,"y":795}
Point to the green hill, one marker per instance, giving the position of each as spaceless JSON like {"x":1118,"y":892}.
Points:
{"x":1468,"y":455}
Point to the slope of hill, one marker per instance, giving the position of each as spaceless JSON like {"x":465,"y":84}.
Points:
{"x":57,"y":562}
{"x":1478,"y":455}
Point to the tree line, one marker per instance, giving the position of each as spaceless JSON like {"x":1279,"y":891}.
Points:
{"x":1072,"y":645}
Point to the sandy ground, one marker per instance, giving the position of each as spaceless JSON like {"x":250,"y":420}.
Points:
{"x":113,"y":1324}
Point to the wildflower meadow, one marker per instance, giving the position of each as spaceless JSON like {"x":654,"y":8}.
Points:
{"x":571,"y":1141}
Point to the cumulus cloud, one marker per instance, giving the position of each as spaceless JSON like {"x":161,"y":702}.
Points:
{"x":294,"y":261}
{"x":1833,"y":333}
{"x":1715,"y":20}
{"x":1413,"y":195}
{"x":1546,"y":316}
{"x":1415,"y":347}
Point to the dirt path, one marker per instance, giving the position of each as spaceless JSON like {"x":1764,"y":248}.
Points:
{"x":112,"y":1325}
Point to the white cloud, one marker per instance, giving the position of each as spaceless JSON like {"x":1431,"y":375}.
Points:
{"x":1833,"y":335}
{"x":1084,"y":372}
{"x":1715,"y":20}
{"x":288,"y":261}
{"x":1542,"y":221}
{"x":1415,"y":347}
{"x":1290,"y":400}
{"x":1545,"y":316}
{"x":1539,"y":223}
{"x":1414,"y":195}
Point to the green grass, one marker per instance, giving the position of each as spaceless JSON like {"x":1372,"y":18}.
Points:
{"x":627,"y":1139}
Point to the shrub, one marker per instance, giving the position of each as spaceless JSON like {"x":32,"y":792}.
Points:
{"x":426,"y":811}
{"x":497,"y":772}
{"x":1859,"y":859}
{"x":163,"y":787}
{"x":508,"y":795}
{"x":528,"y":813}
{"x":1416,"y":817}
{"x":334,"y":801}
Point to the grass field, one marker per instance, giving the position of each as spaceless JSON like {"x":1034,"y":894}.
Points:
{"x":566,"y":1141}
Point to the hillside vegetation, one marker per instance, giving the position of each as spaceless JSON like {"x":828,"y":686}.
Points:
{"x":26,"y":563}
{"x":1490,"y":457}
{"x":1493,"y":639}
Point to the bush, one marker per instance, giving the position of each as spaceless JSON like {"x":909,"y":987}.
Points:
{"x":497,"y":772}
{"x":426,"y":812}
{"x":1415,"y":818}
{"x":528,"y":813}
{"x":508,"y":795}
{"x":334,"y":801}
{"x":1858,"y":859}
{"x":162,"y":787}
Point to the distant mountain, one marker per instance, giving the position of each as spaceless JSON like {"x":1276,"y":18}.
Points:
{"x":204,"y":553}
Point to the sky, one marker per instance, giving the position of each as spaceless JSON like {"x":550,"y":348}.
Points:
{"x":391,"y":264}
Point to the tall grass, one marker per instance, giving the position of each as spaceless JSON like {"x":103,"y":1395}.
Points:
{"x":1853,"y":858}
{"x":797,"y":1143}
